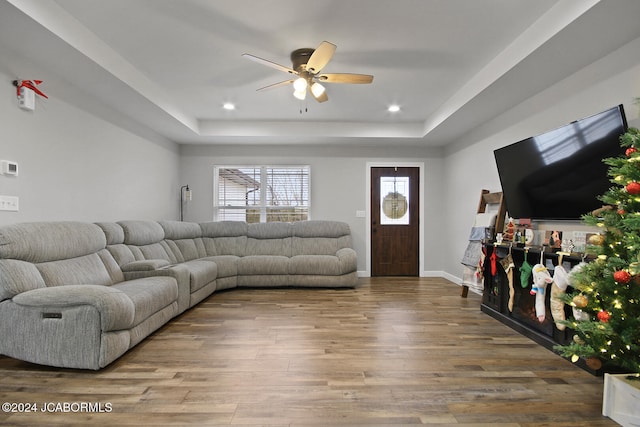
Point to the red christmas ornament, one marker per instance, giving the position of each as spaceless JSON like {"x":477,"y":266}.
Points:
{"x":630,"y":151}
{"x":604,"y":316}
{"x":622,"y":276}
{"x":633,"y":188}
{"x":621,"y":212}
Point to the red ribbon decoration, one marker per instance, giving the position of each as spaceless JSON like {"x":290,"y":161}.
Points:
{"x":30,"y":84}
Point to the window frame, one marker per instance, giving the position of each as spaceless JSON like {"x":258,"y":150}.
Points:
{"x":263,"y":207}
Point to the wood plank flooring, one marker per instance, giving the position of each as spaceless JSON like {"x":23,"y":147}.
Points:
{"x":394,"y":351}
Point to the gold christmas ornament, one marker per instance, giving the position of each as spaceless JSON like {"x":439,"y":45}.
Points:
{"x":597,"y":239}
{"x":580,"y":301}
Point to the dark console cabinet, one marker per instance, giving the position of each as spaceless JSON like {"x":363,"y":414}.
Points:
{"x":522,"y":318}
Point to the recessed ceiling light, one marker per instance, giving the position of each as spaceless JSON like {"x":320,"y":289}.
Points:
{"x":393,"y":108}
{"x":228,"y":106}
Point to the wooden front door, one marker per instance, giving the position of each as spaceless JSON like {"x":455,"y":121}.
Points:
{"x":395,"y":201}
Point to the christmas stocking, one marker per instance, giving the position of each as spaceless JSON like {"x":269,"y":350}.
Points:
{"x":494,"y":266}
{"x":508,"y":266}
{"x":541,"y":278}
{"x":525,"y":272}
{"x":558,"y":289}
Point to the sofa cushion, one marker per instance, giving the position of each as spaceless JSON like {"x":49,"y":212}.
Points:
{"x":141,"y":232}
{"x":279,"y":247}
{"x":17,"y":277}
{"x":315,"y":246}
{"x":263,"y":265}
{"x":158,"y":250}
{"x":227,"y":265}
{"x":320,"y":228}
{"x":235,"y":246}
{"x":320,"y":237}
{"x":112,"y":231}
{"x":49,"y":241}
{"x":187,"y":249}
{"x":122,"y":254}
{"x":323,"y":265}
{"x":176,"y":230}
{"x":201,"y":273}
{"x":225,"y":237}
{"x":272,"y":238}
{"x":88,"y":269}
{"x":149,"y":295}
{"x":224,"y":228}
{"x":269,"y":230}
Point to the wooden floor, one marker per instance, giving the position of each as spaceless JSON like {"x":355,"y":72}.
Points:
{"x":395,"y":351}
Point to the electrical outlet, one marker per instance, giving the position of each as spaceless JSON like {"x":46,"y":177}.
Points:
{"x":9,"y":203}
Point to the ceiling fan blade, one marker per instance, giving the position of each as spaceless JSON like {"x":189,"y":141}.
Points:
{"x":345,"y":78}
{"x":269,"y":63}
{"x":321,"y":98}
{"x":272,"y":86}
{"x":320,"y":57}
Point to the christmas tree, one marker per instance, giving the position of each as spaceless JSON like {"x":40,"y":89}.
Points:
{"x":606,"y":296}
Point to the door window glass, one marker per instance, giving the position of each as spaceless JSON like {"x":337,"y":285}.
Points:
{"x":394,"y":200}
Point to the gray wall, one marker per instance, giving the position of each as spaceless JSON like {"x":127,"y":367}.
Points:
{"x":74,"y":165}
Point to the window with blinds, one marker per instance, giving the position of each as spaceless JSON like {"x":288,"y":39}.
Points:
{"x":261,"y":193}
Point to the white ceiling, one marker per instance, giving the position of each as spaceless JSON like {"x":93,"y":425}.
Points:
{"x":170,"y":65}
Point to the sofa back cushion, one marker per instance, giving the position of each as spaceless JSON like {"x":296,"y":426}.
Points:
{"x":55,"y":254}
{"x":158,"y":250}
{"x":140,"y":233}
{"x":145,"y":240}
{"x":184,"y":239}
{"x":177,"y":230}
{"x":320,"y":237}
{"x":224,"y":237}
{"x":272,"y":238}
{"x":50,"y":241}
{"x":18,"y":276}
{"x":84,"y":270}
{"x":113,"y":232}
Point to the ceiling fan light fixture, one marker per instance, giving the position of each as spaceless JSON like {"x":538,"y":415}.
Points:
{"x":300,"y":94}
{"x":307,"y":63}
{"x":300,"y":84}
{"x":317,"y":89}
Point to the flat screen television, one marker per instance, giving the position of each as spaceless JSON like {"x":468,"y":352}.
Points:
{"x":560,"y":174}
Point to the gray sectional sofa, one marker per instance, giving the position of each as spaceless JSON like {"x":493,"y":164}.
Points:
{"x":79,"y":295}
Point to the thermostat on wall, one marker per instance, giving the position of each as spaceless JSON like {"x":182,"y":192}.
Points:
{"x":8,"y":167}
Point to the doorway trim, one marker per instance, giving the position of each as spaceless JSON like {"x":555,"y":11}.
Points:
{"x":388,"y":164}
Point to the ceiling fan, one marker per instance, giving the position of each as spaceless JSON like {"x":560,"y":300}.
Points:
{"x":307,"y":64}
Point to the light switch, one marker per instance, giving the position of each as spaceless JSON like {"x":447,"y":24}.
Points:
{"x":9,"y":203}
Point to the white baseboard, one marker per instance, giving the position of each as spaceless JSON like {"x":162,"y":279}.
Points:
{"x":432,"y":273}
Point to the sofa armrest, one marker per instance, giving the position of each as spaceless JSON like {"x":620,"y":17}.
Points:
{"x":348,"y":260}
{"x":115,"y":308}
{"x":145,"y":265}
